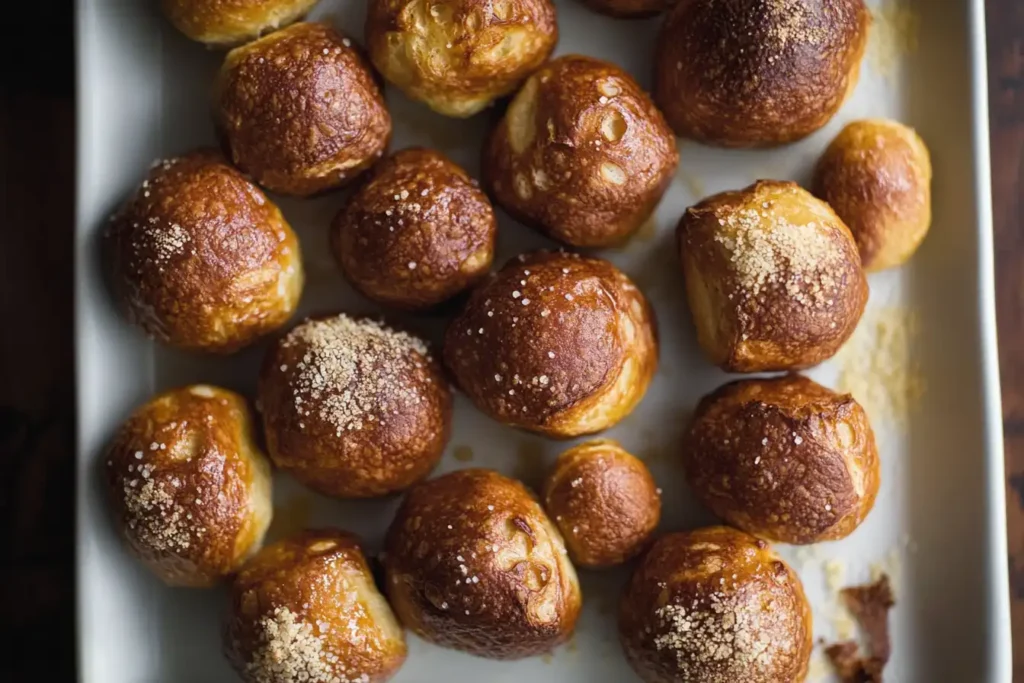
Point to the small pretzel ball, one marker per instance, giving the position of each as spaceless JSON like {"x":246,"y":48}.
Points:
{"x":352,"y":408}
{"x":555,"y":343}
{"x":581,"y":154}
{"x":416,"y":233}
{"x":750,"y":73}
{"x":188,"y":485}
{"x":604,"y":501}
{"x":628,"y":9}
{"x":458,"y":56}
{"x":773,"y":277}
{"x":230,"y":22}
{"x":877,"y":176}
{"x":300,"y":110}
{"x":474,"y":564}
{"x":307,"y":609}
{"x":201,"y":259}
{"x":715,"y":605}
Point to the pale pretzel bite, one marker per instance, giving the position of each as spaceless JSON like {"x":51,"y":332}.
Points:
{"x":300,"y":110}
{"x":188,"y":485}
{"x":555,"y":343}
{"x":458,"y":56}
{"x":581,"y":154}
{"x":230,"y":22}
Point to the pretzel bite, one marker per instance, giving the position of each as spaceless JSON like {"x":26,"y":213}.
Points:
{"x":582,"y":153}
{"x":458,"y":56}
{"x":473,"y":563}
{"x":201,"y":259}
{"x":757,"y":72}
{"x":715,"y":605}
{"x":300,"y":110}
{"x":353,"y":408}
{"x":188,"y":486}
{"x":877,"y":176}
{"x":230,"y":22}
{"x":627,"y":9}
{"x":555,"y":343}
{"x":307,"y":609}
{"x":417,"y":233}
{"x":604,"y":501}
{"x":773,"y":277}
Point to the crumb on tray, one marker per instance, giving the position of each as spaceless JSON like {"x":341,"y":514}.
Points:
{"x":870,"y":604}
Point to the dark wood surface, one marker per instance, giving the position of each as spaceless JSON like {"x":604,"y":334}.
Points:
{"x":36,"y":351}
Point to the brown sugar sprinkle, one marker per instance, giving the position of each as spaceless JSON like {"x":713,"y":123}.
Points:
{"x":153,"y":515}
{"x":290,"y":651}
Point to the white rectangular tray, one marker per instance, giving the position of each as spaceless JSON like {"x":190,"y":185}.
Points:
{"x":939,"y":524}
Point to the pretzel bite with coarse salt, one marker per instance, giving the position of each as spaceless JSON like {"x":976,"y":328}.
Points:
{"x":555,"y":343}
{"x":416,"y":233}
{"x":773,"y":277}
{"x":581,"y":154}
{"x":458,"y":56}
{"x":300,"y":110}
{"x":715,"y":605}
{"x":230,"y":22}
{"x":353,"y":408}
{"x":189,"y":487}
{"x":307,"y":609}
{"x":474,"y":564}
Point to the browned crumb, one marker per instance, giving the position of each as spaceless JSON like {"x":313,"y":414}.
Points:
{"x":870,"y":604}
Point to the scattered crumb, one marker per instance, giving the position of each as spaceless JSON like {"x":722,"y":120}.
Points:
{"x":870,"y":604}
{"x":893,"y":35}
{"x":835,"y":574}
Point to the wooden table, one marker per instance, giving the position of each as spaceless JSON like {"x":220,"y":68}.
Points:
{"x":36,"y":378}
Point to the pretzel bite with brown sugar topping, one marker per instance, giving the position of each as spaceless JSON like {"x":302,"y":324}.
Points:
{"x":201,"y":259}
{"x":604,"y":501}
{"x":230,"y":22}
{"x":188,"y":486}
{"x":307,"y":609}
{"x":555,"y":343}
{"x":757,"y":72}
{"x":581,"y":154}
{"x":474,"y":564}
{"x":627,"y":9}
{"x":458,"y":56}
{"x":353,"y":408}
{"x":715,"y":605}
{"x":773,"y":277}
{"x":877,"y":176}
{"x":785,"y":459}
{"x":300,"y":110}
{"x":416,"y":233}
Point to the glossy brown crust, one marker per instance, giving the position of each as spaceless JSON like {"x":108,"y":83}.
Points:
{"x":604,"y":501}
{"x":229,"y":22}
{"x":307,"y":609}
{"x":332,"y":125}
{"x":201,"y":259}
{"x":473,"y":563}
{"x":457,"y":56}
{"x":715,"y":606}
{"x":744,"y":73}
{"x":877,"y":176}
{"x":416,"y":233}
{"x":785,"y":459}
{"x":773,"y":277}
{"x":555,"y":343}
{"x":582,"y":153}
{"x":188,"y":486}
{"x":627,"y":9}
{"x":352,"y":408}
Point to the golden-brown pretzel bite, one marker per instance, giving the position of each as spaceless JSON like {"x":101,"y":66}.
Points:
{"x":877,"y":175}
{"x":457,"y":56}
{"x":416,"y":233}
{"x":773,"y":277}
{"x":307,"y":609}
{"x":604,"y":501}
{"x":714,"y":606}
{"x":785,"y":459}
{"x":555,"y":343}
{"x":628,"y":9}
{"x":757,"y":72}
{"x":353,"y":408}
{"x":230,"y":22}
{"x":189,"y":487}
{"x":300,"y":110}
{"x":473,"y":563}
{"x":582,"y":153}
{"x":201,"y":259}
